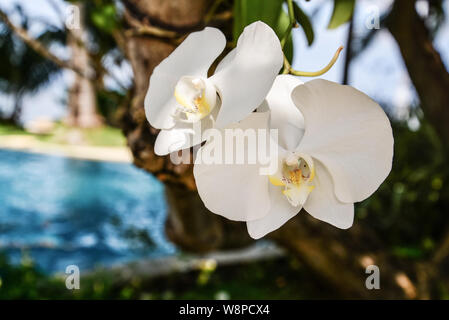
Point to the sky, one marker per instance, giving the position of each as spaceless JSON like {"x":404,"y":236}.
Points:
{"x":378,"y":71}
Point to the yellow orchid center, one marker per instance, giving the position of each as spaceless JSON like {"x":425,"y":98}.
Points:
{"x":196,"y":96}
{"x":295,"y":175}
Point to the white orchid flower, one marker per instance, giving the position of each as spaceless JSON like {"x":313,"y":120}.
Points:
{"x":181,"y":95}
{"x":335,"y":149}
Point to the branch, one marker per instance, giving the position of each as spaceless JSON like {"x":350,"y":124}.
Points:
{"x":151,"y":31}
{"x":42,"y":50}
{"x":349,"y":50}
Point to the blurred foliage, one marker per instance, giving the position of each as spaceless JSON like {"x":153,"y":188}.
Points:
{"x":275,"y":279}
{"x":102,"y":20}
{"x":25,"y":282}
{"x":108,"y":102}
{"x":10,"y":129}
{"x":23,"y":70}
{"x":433,"y":22}
{"x":104,"y":17}
{"x":409,"y":210}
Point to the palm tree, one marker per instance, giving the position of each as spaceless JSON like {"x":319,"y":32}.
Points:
{"x":22,"y":70}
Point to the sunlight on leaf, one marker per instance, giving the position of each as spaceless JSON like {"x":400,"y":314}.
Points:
{"x":342,"y":13}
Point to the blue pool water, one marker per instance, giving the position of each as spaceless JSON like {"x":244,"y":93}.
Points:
{"x":61,"y":211}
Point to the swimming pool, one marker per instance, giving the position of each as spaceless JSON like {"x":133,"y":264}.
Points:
{"x":60,"y":211}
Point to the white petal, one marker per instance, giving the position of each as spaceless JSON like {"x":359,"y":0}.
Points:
{"x":322,"y":203}
{"x":237,"y":192}
{"x":281,"y":211}
{"x":184,"y":135}
{"x":244,"y":79}
{"x":193,"y":57}
{"x":226,"y":61}
{"x":285,"y":116}
{"x":349,"y":133}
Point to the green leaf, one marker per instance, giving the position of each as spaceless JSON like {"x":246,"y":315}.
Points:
{"x":342,"y":13}
{"x":282,"y":26}
{"x":304,"y":22}
{"x":249,"y":11}
{"x":268,"y":11}
{"x":105,"y":18}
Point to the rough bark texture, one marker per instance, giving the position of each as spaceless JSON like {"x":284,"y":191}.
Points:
{"x":337,"y":257}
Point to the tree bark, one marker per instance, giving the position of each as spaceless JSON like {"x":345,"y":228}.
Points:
{"x":424,"y":64}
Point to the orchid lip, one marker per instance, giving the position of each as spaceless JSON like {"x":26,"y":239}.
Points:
{"x":196,"y":96}
{"x":296,"y":175}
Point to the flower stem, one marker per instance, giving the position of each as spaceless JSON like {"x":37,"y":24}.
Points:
{"x":315,"y":73}
{"x":287,"y":66}
{"x":292,"y":23}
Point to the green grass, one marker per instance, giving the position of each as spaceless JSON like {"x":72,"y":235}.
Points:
{"x":7,"y":129}
{"x":103,"y":136}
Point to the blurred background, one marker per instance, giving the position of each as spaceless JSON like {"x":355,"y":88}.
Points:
{"x":80,"y":184}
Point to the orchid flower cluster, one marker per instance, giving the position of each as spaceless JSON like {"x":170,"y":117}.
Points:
{"x":334,"y":144}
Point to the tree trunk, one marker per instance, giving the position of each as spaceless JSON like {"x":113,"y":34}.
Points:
{"x":204,"y":230}
{"x":82,"y":98}
{"x":424,"y":64}
{"x":17,"y":112}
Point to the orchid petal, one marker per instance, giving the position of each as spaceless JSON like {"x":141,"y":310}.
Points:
{"x":281,"y":211}
{"x":224,"y":63}
{"x":244,"y":79}
{"x":193,"y":57}
{"x":235,"y":191}
{"x":322,"y":203}
{"x":184,"y":135}
{"x":285,"y":116}
{"x":349,"y":133}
